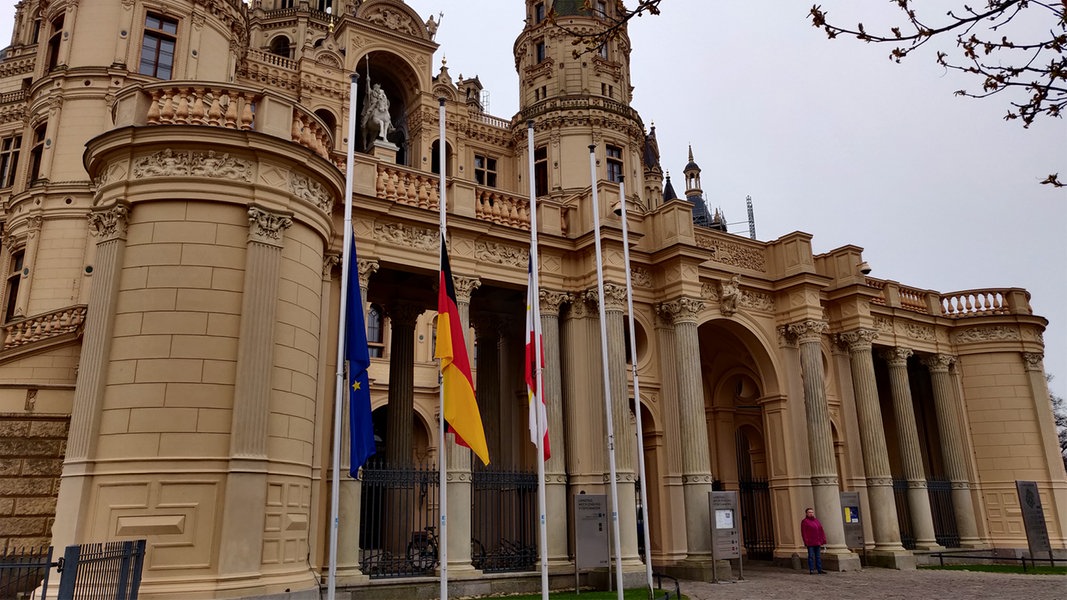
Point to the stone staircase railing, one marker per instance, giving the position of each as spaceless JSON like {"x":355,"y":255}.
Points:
{"x":44,"y":326}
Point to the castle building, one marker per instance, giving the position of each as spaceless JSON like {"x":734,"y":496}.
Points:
{"x":172,"y":185}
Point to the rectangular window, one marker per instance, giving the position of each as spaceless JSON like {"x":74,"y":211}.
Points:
{"x":539,"y":50}
{"x":9,"y":159}
{"x":485,"y":170}
{"x":286,"y":4}
{"x":53,"y":43}
{"x":614,"y":163}
{"x":325,"y":5}
{"x":539,"y":12}
{"x":541,"y":171}
{"x":157,"y":48}
{"x":13,"y":278}
{"x":602,"y":51}
{"x":602,"y":8}
{"x":37,"y":152}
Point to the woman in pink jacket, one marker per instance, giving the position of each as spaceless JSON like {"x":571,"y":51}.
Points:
{"x":814,"y":537}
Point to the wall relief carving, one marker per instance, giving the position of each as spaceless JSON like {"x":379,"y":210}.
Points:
{"x":402,"y":235}
{"x":501,"y":254}
{"x":311,"y":191}
{"x":170,"y":163}
{"x":994,"y":333}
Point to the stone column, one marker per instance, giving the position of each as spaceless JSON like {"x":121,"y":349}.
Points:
{"x":109,"y":225}
{"x":351,"y":491}
{"x":671,"y":520}
{"x":622,"y":421}
{"x":244,"y":506}
{"x":1034,"y":363}
{"x":458,"y":467}
{"x":401,"y":416}
{"x":887,"y":547}
{"x":556,"y":467}
{"x":824,"y":482}
{"x":696,"y":458}
{"x":583,"y":407}
{"x":952,"y":448}
{"x":922,"y":520}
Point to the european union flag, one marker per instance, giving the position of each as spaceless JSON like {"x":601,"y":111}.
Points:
{"x":357,"y":355}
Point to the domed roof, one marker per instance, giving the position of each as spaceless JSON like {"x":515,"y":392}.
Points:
{"x":691,"y":166}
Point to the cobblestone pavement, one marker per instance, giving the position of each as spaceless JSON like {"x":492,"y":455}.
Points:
{"x":767,"y":583}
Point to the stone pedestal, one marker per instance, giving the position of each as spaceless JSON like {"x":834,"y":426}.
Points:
{"x":384,"y":151}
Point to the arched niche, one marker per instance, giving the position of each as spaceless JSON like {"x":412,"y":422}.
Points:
{"x":400,"y":83}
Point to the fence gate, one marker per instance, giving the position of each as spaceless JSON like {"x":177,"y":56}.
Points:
{"x":399,"y":512}
{"x":21,"y":571}
{"x":503,"y":520}
{"x":944,"y":512}
{"x":107,"y":571}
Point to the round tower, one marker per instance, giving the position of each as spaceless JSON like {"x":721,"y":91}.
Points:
{"x":578,"y":94}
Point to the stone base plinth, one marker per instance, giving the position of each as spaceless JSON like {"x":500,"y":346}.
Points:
{"x":384,"y":151}
{"x":891,"y":559}
{"x":700,"y":570}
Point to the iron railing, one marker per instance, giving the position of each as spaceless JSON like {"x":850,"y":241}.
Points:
{"x":900,"y":495}
{"x":399,"y":511}
{"x":22,"y":570}
{"x":757,"y":523}
{"x":503,"y":520}
{"x":107,"y":571}
{"x":944,"y":512}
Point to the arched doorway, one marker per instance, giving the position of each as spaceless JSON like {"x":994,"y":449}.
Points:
{"x":754,"y":495}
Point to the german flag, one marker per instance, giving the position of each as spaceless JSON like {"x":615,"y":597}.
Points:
{"x":460,"y":407}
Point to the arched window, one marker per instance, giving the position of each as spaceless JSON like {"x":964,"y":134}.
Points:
{"x":11,"y":291}
{"x":435,"y":158}
{"x":327,"y":118}
{"x":53,"y":42}
{"x":375,"y":333}
{"x":280,"y":46}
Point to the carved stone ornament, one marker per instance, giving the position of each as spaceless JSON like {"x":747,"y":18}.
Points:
{"x":402,"y":235}
{"x":883,"y":324}
{"x":897,"y":357}
{"x":396,"y":20}
{"x":552,"y":301}
{"x":109,"y":223}
{"x":329,"y":262}
{"x":918,"y":331}
{"x":581,"y":307}
{"x":366,"y":269}
{"x":860,"y":339}
{"x":732,"y":253}
{"x":810,"y":330}
{"x":729,"y":294}
{"x":311,"y":191}
{"x":465,"y":286}
{"x":994,"y":333}
{"x":682,"y":310}
{"x":828,"y":481}
{"x":614,"y":297}
{"x":641,"y":277}
{"x":501,"y":254}
{"x":1033,"y":361}
{"x":267,"y":227}
{"x":939,"y":363}
{"x":879,"y":482}
{"x":170,"y":163}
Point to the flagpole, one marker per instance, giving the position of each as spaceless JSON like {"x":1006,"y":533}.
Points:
{"x":607,"y":379}
{"x":339,"y":397}
{"x":442,"y":546}
{"x":535,"y":294}
{"x":637,"y":385}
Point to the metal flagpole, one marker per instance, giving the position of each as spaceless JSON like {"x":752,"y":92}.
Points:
{"x":442,"y":546}
{"x":607,"y":379}
{"x":535,"y":282}
{"x":637,"y":385}
{"x":339,"y":398}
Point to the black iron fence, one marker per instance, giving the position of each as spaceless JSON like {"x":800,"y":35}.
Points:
{"x":104,"y":571}
{"x":757,"y":523}
{"x":107,"y":571}
{"x":23,"y":570}
{"x":944,"y":512}
{"x":504,"y":520}
{"x":399,"y":512}
{"x":900,"y":495}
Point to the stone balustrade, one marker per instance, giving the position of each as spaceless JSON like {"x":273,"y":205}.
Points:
{"x":228,"y":106}
{"x":954,"y":305}
{"x":501,"y":208}
{"x":43,"y":326}
{"x":270,"y":58}
{"x":408,"y":186}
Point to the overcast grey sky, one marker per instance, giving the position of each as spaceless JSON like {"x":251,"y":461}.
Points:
{"x":828,"y":137}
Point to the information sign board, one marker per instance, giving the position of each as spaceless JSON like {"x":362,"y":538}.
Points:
{"x":591,"y":531}
{"x":850,"y":509}
{"x":725,"y":525}
{"x":1033,"y":518}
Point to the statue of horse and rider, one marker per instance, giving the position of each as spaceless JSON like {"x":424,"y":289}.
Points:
{"x":375,"y":122}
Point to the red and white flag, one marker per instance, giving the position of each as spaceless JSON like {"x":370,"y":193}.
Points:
{"x":534,"y":364}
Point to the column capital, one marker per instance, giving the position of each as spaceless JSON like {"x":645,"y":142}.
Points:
{"x":1033,"y":361}
{"x":551,"y":301}
{"x":858,"y":339}
{"x":680,"y":310}
{"x":403,"y":313}
{"x":614,"y":297}
{"x":330,"y":260}
{"x":581,"y":304}
{"x":810,"y":330}
{"x":367,"y":268}
{"x":110,"y":223}
{"x":265,"y":227}
{"x":465,"y":286}
{"x":897,"y":356}
{"x":939,"y":363}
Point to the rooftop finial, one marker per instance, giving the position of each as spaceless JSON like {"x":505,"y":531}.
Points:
{"x":690,"y":152}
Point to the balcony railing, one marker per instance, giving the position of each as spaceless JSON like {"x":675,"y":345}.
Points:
{"x":228,"y":106}
{"x":43,"y":326}
{"x":502,"y":209}
{"x":408,"y":186}
{"x":975,"y":303}
{"x":953,"y":305}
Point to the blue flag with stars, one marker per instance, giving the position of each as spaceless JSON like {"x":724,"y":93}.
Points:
{"x":357,"y":355}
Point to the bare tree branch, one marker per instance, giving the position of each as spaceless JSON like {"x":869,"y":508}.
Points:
{"x":1031,"y":72}
{"x":586,"y":42}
